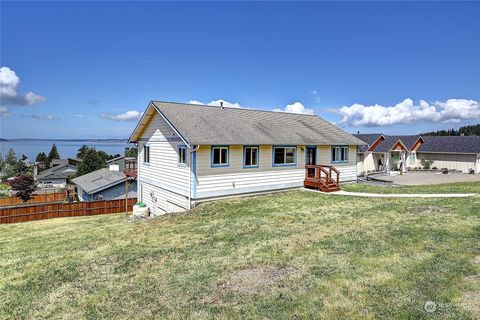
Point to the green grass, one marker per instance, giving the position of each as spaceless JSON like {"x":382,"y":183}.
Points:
{"x":459,"y":187}
{"x":351,"y":258}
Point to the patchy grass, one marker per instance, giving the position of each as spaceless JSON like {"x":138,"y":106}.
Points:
{"x":459,"y":187}
{"x":295,"y":255}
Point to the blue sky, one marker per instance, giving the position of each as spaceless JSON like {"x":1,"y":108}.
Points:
{"x":74,"y":70}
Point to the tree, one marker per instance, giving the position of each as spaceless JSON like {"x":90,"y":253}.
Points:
{"x":81,"y":151}
{"x":91,"y":161}
{"x":2,"y":162}
{"x":24,"y":185}
{"x":132,"y":152}
{"x":11,"y":158}
{"x":105,"y":157}
{"x":53,"y":154}
{"x":42,"y":161}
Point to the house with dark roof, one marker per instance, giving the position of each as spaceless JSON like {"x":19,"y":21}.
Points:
{"x":58,"y":175}
{"x":192,"y":153}
{"x":104,"y":184}
{"x":400,"y":153}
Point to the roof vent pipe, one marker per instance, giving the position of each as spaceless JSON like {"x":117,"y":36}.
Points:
{"x":221,"y":105}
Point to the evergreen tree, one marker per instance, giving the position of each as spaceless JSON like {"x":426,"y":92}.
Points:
{"x":2,"y":162}
{"x":81,"y":151}
{"x":53,"y":154}
{"x":132,"y":152}
{"x":42,"y":161}
{"x":11,"y":158}
{"x":91,"y":161}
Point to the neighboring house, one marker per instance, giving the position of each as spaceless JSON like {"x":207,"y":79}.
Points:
{"x":70,"y":161}
{"x":387,"y":153}
{"x":451,"y":152}
{"x":104,"y":184}
{"x":190,"y":153}
{"x":56,"y":176}
{"x":120,"y":161}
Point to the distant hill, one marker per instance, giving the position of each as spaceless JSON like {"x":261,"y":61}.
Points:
{"x":473,"y":130}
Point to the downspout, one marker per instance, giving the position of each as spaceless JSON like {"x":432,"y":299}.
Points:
{"x":190,"y":177}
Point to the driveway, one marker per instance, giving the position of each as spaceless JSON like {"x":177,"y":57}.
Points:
{"x":418,"y":178}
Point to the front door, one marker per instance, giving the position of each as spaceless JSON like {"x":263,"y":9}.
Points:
{"x":312,"y":155}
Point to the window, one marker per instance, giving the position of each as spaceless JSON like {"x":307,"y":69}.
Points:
{"x":340,"y":154}
{"x":146,"y":154}
{"x":412,"y":158}
{"x":250,"y":157}
{"x":182,"y":155}
{"x":284,"y":156}
{"x":220,"y":156}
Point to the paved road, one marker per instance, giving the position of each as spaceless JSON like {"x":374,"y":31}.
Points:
{"x":417,"y":178}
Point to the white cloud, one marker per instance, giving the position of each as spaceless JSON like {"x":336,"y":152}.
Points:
{"x":40,"y":117}
{"x":407,"y":112}
{"x":127,"y":116}
{"x":4,"y":112}
{"x":217,"y":103}
{"x":9,"y":94}
{"x":296,"y":107}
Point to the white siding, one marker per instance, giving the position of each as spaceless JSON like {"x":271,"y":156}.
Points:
{"x":163,"y":175}
{"x":462,"y":162}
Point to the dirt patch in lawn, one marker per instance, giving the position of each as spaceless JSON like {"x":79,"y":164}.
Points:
{"x":471,"y":300}
{"x":476,"y":259}
{"x":255,"y":280}
{"x":428,"y":209}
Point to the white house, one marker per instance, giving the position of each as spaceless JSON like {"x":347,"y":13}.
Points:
{"x":386,"y":153}
{"x":191,"y":153}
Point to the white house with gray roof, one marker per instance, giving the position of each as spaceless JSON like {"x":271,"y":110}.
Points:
{"x":191,"y":153}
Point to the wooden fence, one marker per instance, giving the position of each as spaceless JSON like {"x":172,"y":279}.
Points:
{"x":37,"y":198}
{"x":58,"y":210}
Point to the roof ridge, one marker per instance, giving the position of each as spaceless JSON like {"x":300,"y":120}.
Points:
{"x":241,"y":108}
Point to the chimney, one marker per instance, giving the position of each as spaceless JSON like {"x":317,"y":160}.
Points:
{"x":221,"y":105}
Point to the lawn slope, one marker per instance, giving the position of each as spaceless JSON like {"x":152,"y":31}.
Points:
{"x":295,"y":255}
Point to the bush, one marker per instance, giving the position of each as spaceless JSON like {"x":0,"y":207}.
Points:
{"x":24,"y":185}
{"x":426,"y":164}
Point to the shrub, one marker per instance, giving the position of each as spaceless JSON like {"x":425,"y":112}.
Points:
{"x":24,"y":185}
{"x":426,"y":164}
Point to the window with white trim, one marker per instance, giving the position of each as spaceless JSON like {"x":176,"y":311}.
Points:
{"x":340,"y":154}
{"x":219,"y":156}
{"x":146,"y":154}
{"x":412,"y":158}
{"x":250,"y":156}
{"x":284,"y":155}
{"x":182,"y":155}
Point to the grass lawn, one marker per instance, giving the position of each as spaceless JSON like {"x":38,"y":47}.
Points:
{"x":295,"y":255}
{"x":458,"y":187}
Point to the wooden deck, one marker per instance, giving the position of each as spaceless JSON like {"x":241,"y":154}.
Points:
{"x":322,"y":177}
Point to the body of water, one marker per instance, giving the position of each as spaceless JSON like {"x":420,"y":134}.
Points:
{"x":66,"y":148}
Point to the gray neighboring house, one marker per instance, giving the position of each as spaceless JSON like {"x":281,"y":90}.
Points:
{"x":104,"y":184}
{"x":56,"y":176}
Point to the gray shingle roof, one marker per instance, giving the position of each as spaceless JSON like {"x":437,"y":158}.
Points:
{"x":451,"y":144}
{"x":61,"y":171}
{"x":368,"y":138}
{"x":99,"y":180}
{"x":390,"y":141}
{"x":202,"y":125}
